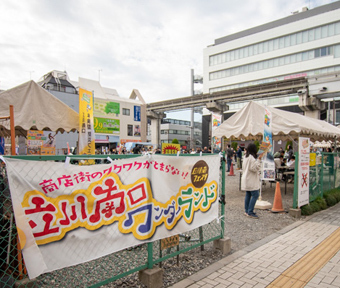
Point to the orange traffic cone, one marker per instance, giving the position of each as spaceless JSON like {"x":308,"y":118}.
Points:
{"x":231,"y":173}
{"x":277,"y":205}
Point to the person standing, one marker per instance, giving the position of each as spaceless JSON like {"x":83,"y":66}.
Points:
{"x":250,"y":181}
{"x":230,"y":154}
{"x":239,"y":158}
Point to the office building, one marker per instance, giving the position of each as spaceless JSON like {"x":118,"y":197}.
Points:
{"x":304,"y":44}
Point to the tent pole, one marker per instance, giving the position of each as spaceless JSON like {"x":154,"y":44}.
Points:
{"x":11,"y":119}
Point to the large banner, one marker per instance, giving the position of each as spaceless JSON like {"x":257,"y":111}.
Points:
{"x":303,"y":182}
{"x":86,"y":141}
{"x":69,"y":214}
{"x":268,"y":164}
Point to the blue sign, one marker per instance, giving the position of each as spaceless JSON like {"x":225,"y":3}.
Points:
{"x":136,"y":113}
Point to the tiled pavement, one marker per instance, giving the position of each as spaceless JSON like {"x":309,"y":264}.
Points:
{"x":304,"y":254}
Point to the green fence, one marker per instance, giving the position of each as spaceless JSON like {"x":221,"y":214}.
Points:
{"x":103,"y":270}
{"x":324,"y":175}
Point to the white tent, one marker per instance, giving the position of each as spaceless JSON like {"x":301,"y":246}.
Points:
{"x":35,"y":108}
{"x":248,"y":123}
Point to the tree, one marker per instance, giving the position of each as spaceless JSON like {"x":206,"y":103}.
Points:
{"x":175,"y":141}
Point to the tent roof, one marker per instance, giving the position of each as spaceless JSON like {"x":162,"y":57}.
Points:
{"x":248,"y":123}
{"x":35,"y":108}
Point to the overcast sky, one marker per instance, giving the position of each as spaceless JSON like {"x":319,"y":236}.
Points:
{"x":127,"y":44}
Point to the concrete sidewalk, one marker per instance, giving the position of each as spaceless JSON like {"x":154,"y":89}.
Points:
{"x":304,"y":254}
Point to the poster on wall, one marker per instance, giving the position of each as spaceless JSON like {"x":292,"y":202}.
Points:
{"x":136,"y":113}
{"x":105,"y":108}
{"x":71,"y":214}
{"x":86,"y":124}
{"x":41,"y":142}
{"x":136,"y":131}
{"x":303,"y":178}
{"x":106,"y":125}
{"x":266,"y":148}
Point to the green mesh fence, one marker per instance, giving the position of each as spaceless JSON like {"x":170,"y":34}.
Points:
{"x":106,"y":269}
{"x":324,"y":175}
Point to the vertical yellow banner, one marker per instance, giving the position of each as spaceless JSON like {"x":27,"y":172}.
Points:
{"x":86,"y":141}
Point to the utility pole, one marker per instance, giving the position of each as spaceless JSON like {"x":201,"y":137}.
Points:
{"x":192,"y":125}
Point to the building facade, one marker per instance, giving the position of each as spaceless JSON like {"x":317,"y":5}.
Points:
{"x":117,"y":120}
{"x":304,"y":44}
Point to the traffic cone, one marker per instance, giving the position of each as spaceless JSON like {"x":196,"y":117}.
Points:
{"x":231,"y":173}
{"x":277,"y":205}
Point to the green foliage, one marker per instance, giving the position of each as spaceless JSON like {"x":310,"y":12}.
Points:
{"x":306,"y":210}
{"x":234,"y":145}
{"x":175,"y":141}
{"x":321,"y":203}
{"x":330,"y":198}
{"x":257,"y":143}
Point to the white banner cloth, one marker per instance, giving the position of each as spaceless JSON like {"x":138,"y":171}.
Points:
{"x":69,"y":214}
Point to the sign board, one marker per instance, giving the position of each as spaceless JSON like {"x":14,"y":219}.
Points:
{"x":303,"y":176}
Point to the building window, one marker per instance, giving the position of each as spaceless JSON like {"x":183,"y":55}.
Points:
{"x":293,"y":39}
{"x":126,"y":112}
{"x":129,"y":130}
{"x":266,"y":64}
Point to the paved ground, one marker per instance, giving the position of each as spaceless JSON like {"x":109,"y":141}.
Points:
{"x":304,"y":254}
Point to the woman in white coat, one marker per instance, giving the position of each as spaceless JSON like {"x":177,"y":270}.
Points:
{"x":250,"y":181}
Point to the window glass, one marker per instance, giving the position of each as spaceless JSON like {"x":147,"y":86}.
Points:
{"x":299,"y":38}
{"x":337,"y":28}
{"x":276,"y":44}
{"x":287,"y":41}
{"x":276,"y":62}
{"x":236,"y":54}
{"x":287,"y":60}
{"x":323,"y":51}
{"x":260,"y":47}
{"x":270,"y":45}
{"x":245,"y":52}
{"x":260,"y":65}
{"x":241,"y":53}
{"x":331,"y":29}
{"x":304,"y":36}
{"x":265,"y":64}
{"x":304,"y":56}
{"x":232,"y":55}
{"x":310,"y":55}
{"x":256,"y":49}
{"x":324,"y":31}
{"x":223,"y":58}
{"x":281,"y":61}
{"x":126,"y":112}
{"x":293,"y":58}
{"x":317,"y":33}
{"x":311,"y":35}
{"x":281,"y":42}
{"x":317,"y":53}
{"x":270,"y":63}
{"x":265,"y":47}
{"x":293,"y":39}
{"x":256,"y":66}
{"x":129,"y":130}
{"x":250,"y":50}
{"x":299,"y":57}
{"x":251,"y":67}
